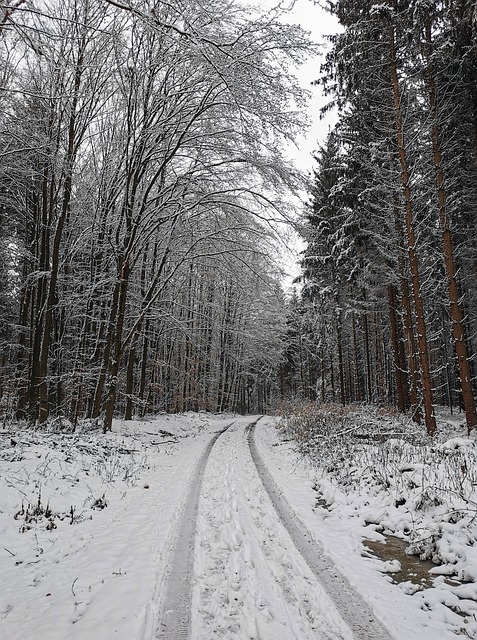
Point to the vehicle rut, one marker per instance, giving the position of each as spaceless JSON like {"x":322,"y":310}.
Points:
{"x":351,"y":606}
{"x":176,"y":608}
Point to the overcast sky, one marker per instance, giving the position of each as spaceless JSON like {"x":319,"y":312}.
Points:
{"x":319,"y":23}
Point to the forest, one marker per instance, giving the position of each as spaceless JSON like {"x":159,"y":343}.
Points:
{"x":143,"y":197}
{"x":387,"y":313}
{"x":146,"y":191}
{"x":190,"y":446}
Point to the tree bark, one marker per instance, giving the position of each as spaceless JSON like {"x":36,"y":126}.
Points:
{"x":340,"y":359}
{"x":369,"y":388}
{"x":116,"y":348}
{"x":430,"y":419}
{"x":399,"y":364}
{"x":460,"y":342}
{"x":43,"y":405}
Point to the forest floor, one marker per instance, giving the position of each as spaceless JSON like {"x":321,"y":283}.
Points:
{"x":200,"y":526}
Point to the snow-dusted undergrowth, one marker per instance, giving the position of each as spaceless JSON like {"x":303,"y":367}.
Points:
{"x":81,"y":462}
{"x":86,"y":520}
{"x":382,"y":468}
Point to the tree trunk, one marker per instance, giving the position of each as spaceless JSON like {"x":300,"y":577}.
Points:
{"x":369,"y":390}
{"x":130,"y":383}
{"x":396,"y":342}
{"x":357,"y":368}
{"x":43,"y":410}
{"x":408,"y":343}
{"x":98,"y":394}
{"x":117,"y":349}
{"x":458,"y":330}
{"x":340,"y":359}
{"x":430,"y":419}
{"x":144,"y":357}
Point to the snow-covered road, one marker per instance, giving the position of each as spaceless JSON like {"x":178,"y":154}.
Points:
{"x":241,"y":576}
{"x":187,"y":527}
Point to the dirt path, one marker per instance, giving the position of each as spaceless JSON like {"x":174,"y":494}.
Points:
{"x":243,"y":568}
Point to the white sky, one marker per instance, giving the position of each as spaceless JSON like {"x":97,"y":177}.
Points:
{"x":319,"y":23}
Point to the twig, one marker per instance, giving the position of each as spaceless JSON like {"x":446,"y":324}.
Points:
{"x":73,"y":587}
{"x":10,"y":552}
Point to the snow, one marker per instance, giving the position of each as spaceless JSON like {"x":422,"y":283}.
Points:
{"x":365,"y":509}
{"x":263,"y":588}
{"x":96,"y":566}
{"x":99,"y":577}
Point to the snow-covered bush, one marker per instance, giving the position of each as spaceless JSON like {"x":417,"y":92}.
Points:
{"x":401,"y":480}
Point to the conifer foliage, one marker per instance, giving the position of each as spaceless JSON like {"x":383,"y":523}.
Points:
{"x":390,"y":257}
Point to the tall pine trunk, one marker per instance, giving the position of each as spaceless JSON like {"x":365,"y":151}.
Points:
{"x":458,"y":330}
{"x":408,"y":344}
{"x":429,"y":416}
{"x":399,"y":363}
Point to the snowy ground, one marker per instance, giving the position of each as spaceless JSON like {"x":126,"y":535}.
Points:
{"x":390,"y":478}
{"x":89,"y":525}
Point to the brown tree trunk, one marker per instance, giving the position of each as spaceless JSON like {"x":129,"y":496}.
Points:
{"x":130,"y":383}
{"x":44,"y":408}
{"x":408,"y":344}
{"x":369,"y":388}
{"x":430,"y":419}
{"x":117,"y":349}
{"x":396,"y":342}
{"x":411,"y":351}
{"x":22,"y":351}
{"x":42,"y":207}
{"x":340,"y":359}
{"x":98,"y":394}
{"x":380,"y":366}
{"x":458,"y":330}
{"x":359,"y":383}
{"x":144,"y":357}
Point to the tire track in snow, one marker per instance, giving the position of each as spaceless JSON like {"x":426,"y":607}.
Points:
{"x":348,"y":602}
{"x":175,"y":623}
{"x":250,"y":582}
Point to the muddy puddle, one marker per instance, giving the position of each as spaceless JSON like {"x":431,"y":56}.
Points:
{"x":412,"y":570}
